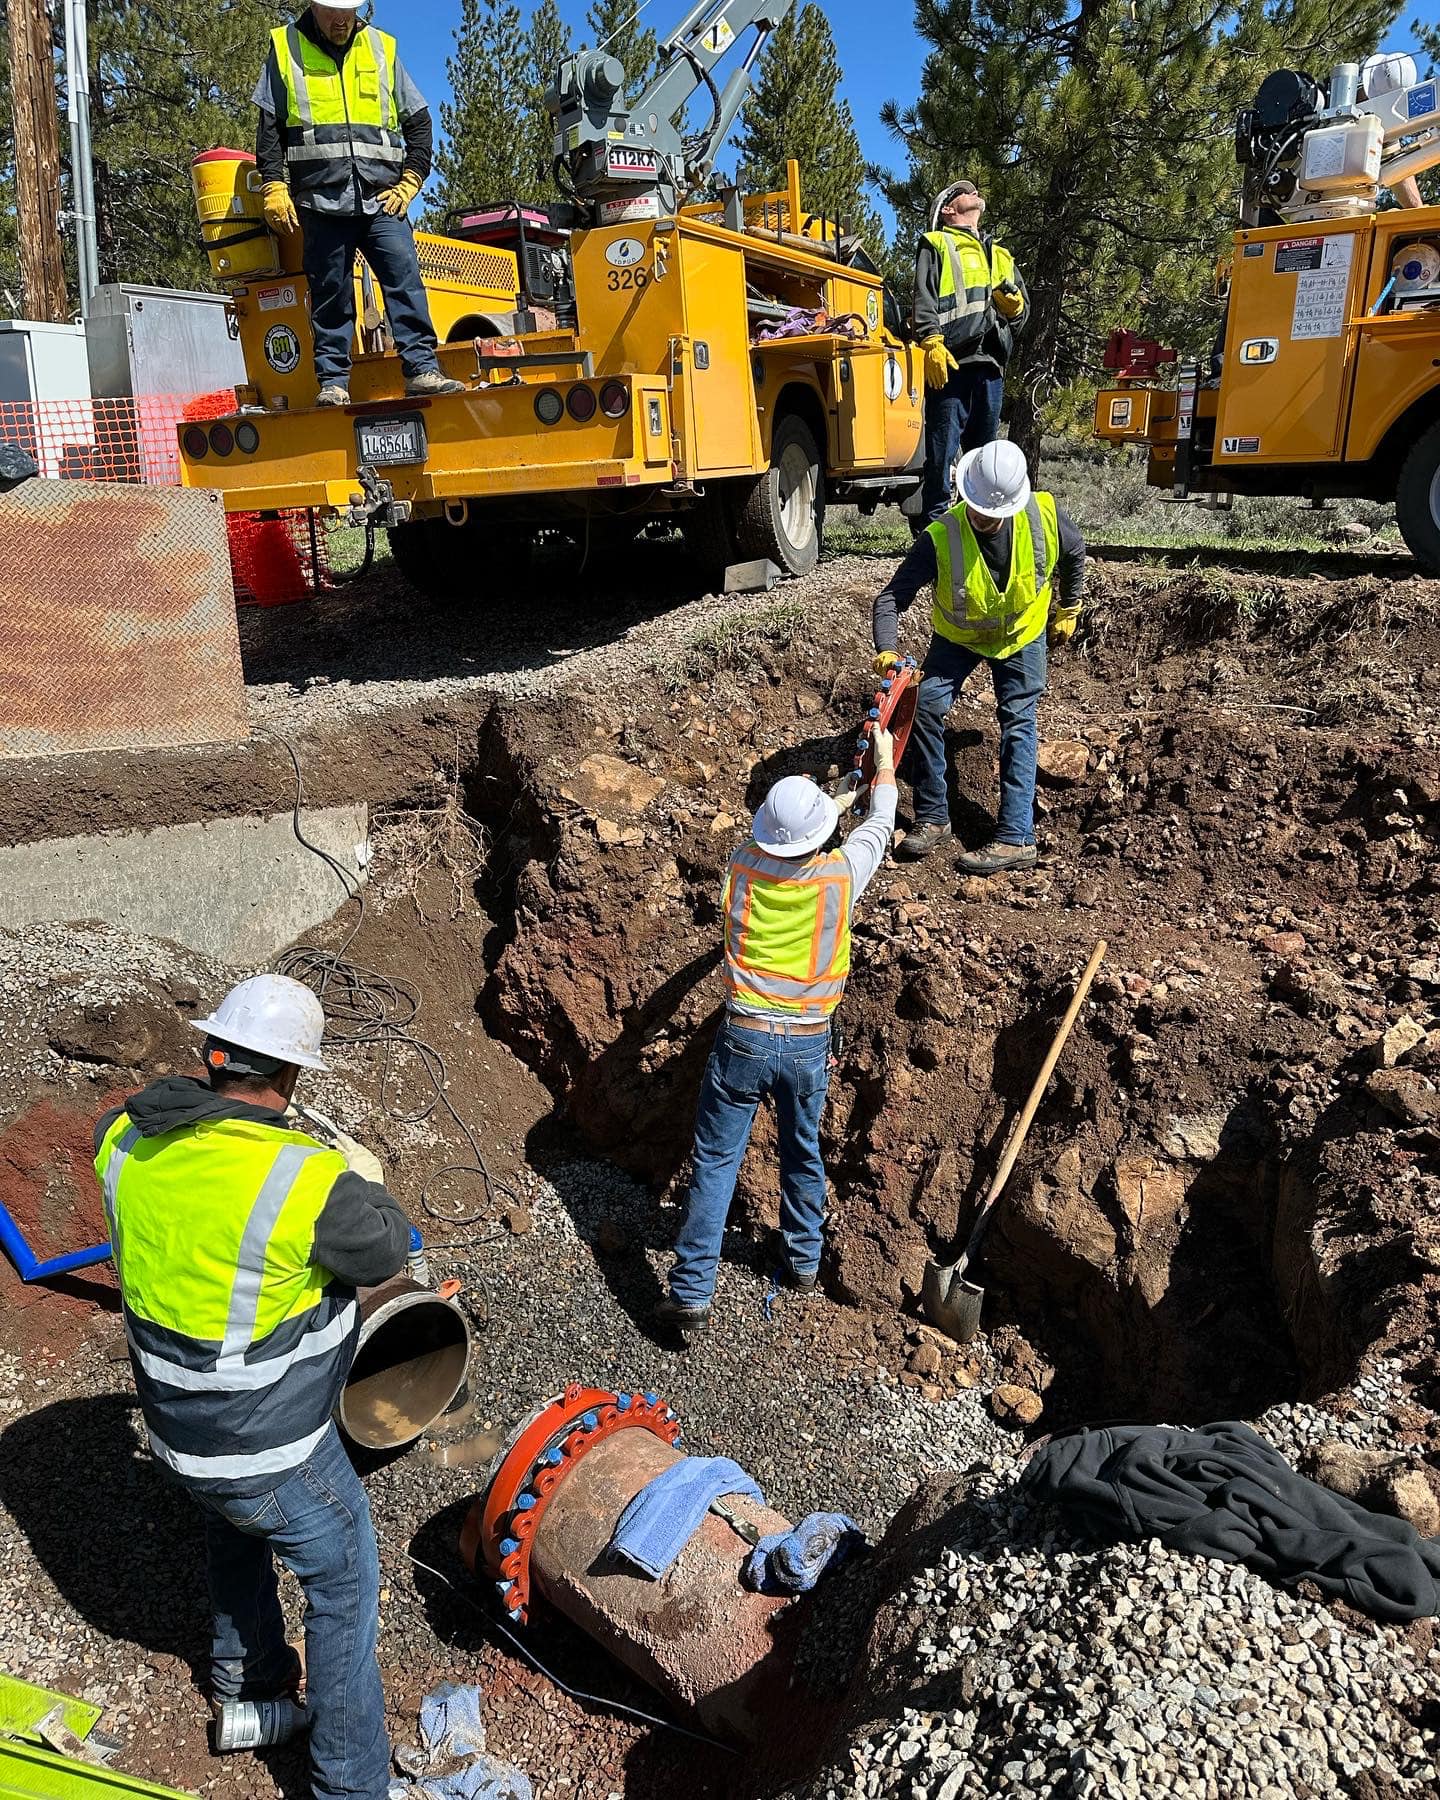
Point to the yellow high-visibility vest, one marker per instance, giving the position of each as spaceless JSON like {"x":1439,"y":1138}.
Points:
{"x":787,"y":933}
{"x":240,"y":1344}
{"x":970,"y":609}
{"x":340,"y":117}
{"x":967,"y":278}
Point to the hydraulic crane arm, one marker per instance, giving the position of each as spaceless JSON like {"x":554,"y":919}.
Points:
{"x":633,"y":161}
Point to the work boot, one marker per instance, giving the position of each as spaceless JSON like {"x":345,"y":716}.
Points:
{"x":803,"y":1281}
{"x":996,"y":858}
{"x":688,"y":1318}
{"x":429,"y":384}
{"x":921,"y":839}
{"x":334,"y":393}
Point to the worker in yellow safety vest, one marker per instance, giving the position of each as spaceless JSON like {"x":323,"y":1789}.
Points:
{"x":343,"y":146}
{"x":789,"y":895}
{"x":970,"y":301}
{"x":1008,"y":572}
{"x":239,"y":1240}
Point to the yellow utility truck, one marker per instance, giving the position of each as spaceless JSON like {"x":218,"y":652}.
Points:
{"x":1325,"y":380}
{"x":654,"y":349}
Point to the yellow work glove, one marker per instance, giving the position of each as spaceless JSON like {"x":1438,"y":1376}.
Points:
{"x":279,"y":208}
{"x":1062,"y":625}
{"x":885,"y":662}
{"x":396,"y":200}
{"x":1008,"y":300}
{"x":938,"y":361}
{"x":360,"y":1161}
{"x":883,"y":745}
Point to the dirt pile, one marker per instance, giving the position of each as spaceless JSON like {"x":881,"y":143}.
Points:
{"x":1224,"y":1198}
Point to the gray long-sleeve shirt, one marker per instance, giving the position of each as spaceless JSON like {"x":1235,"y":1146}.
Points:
{"x":919,"y":569}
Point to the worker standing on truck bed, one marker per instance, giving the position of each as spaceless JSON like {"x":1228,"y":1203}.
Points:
{"x":239,"y":1241}
{"x":788,"y":901}
{"x":970,"y":301}
{"x":993,"y":560}
{"x":343,"y":146}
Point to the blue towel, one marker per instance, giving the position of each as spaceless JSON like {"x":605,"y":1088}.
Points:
{"x":663,"y":1517}
{"x":452,"y":1764}
{"x":791,"y":1562}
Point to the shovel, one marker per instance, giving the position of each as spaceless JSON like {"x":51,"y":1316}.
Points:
{"x":951,"y":1301}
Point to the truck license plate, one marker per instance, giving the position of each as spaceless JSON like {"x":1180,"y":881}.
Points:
{"x":399,"y":440}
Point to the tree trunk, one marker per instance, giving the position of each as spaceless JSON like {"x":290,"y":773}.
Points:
{"x":37,"y":161}
{"x":1031,"y":363}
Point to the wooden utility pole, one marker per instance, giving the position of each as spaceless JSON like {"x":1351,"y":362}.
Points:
{"x":37,"y":160}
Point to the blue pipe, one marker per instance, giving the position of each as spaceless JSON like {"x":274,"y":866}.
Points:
{"x":28,"y":1265}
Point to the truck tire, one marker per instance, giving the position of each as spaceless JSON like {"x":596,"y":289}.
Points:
{"x":1417,"y":500}
{"x":448,"y":562}
{"x":708,"y":530}
{"x":783,"y":515}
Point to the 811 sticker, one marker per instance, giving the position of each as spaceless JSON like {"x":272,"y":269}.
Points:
{"x":282,"y":349}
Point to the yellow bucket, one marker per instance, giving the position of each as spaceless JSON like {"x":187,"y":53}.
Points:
{"x":232,"y":221}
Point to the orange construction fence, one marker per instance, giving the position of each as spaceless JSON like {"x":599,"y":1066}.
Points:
{"x":274,"y":558}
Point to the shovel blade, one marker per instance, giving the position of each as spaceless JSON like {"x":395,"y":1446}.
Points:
{"x":952,"y":1304}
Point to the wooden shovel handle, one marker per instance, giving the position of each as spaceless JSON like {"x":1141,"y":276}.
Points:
{"x":1047,"y":1069}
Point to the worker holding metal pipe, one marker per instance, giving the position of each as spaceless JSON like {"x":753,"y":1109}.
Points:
{"x":343,"y":146}
{"x":239,"y":1242}
{"x":1007,"y":568}
{"x":789,"y":896}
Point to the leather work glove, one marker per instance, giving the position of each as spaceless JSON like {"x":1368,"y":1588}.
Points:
{"x":885,"y":661}
{"x":360,"y":1161}
{"x":1008,"y":300}
{"x":939,"y":363}
{"x":396,"y":200}
{"x":883,"y":745}
{"x":1062,"y":625}
{"x":279,"y":208}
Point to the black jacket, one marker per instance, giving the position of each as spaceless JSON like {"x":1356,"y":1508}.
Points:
{"x":361,"y":1237}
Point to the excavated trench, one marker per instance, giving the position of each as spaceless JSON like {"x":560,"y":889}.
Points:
{"x":1224,"y":1201}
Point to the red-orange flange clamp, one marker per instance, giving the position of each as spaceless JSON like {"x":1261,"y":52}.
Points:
{"x":893,"y":710}
{"x":500,"y":1527}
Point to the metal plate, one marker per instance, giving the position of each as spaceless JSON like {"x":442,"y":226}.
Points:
{"x":117,"y":620}
{"x":399,"y":438}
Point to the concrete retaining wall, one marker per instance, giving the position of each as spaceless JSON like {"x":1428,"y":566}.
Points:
{"x":236,"y":889}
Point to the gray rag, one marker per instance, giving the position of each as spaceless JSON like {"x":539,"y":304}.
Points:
{"x":791,"y":1562}
{"x":663,"y":1517}
{"x":451,"y":1763}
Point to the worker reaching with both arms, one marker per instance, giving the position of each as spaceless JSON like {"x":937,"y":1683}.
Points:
{"x":343,"y":146}
{"x":239,"y":1240}
{"x":1008,"y":572}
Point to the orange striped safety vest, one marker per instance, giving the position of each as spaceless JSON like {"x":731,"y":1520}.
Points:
{"x":787,"y":933}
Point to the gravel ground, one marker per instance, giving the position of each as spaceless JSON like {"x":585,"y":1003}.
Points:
{"x":1130,"y":1671}
{"x":326,"y":663}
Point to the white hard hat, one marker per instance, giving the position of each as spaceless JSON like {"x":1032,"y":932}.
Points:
{"x":274,"y":1014}
{"x":946,"y":195}
{"x":1383,"y":73}
{"x":994,"y":479}
{"x":343,"y":5}
{"x":796,"y":818}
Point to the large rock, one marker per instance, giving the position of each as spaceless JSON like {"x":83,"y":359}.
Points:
{"x":1062,"y":764}
{"x":604,"y":785}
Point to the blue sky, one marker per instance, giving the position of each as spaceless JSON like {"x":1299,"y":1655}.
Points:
{"x":879,"y":64}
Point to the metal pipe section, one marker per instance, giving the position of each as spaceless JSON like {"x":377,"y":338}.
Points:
{"x":544,"y":1526}
{"x":409,"y":1365}
{"x":82,"y":167}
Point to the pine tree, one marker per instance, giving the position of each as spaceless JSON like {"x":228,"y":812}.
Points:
{"x":166,"y":81}
{"x":548,"y":42}
{"x":488,"y":143}
{"x":615,"y":28}
{"x":1101,"y":136}
{"x":796,"y":111}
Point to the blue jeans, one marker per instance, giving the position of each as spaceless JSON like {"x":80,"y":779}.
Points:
{"x":317,"y":1521}
{"x":744,"y":1066}
{"x":1019,"y":682}
{"x":388,"y":245}
{"x":962,"y":415}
